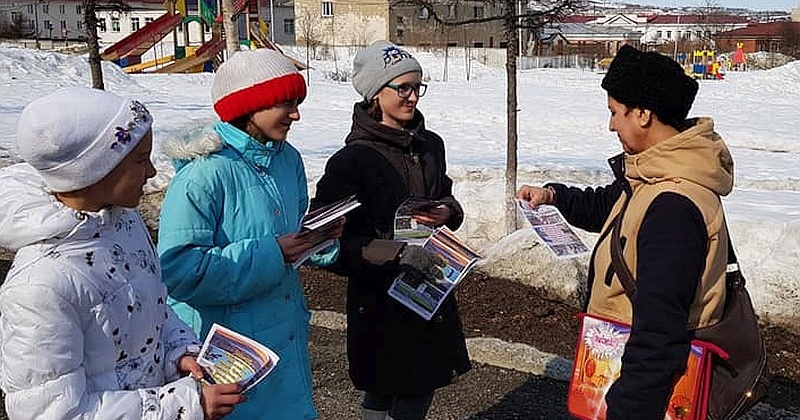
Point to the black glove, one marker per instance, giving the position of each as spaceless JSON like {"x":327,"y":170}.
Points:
{"x":421,"y":264}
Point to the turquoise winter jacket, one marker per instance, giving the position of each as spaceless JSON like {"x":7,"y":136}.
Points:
{"x":230,"y":199}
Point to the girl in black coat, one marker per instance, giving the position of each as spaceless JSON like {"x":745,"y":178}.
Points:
{"x":398,"y":358}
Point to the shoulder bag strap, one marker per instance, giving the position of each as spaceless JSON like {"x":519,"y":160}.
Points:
{"x":617,"y":260}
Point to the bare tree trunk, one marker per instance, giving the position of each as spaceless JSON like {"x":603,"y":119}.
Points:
{"x":92,"y":41}
{"x":230,"y":27}
{"x":512,"y":43}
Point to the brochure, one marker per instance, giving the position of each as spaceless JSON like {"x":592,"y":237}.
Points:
{"x":227,"y":357}
{"x":406,"y":227}
{"x":317,"y":223}
{"x":425,"y":296}
{"x":553,"y":230}
{"x":598,"y":361}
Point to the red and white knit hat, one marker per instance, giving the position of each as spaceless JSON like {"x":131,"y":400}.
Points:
{"x":254,"y":80}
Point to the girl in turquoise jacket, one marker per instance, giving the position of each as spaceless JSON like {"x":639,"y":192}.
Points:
{"x":229,"y":223}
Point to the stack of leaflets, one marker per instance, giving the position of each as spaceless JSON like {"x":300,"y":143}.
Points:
{"x":425,"y":296}
{"x":406,"y":227}
{"x":553,"y":230}
{"x":229,"y":357}
{"x":317,"y":223}
{"x":598,"y":361}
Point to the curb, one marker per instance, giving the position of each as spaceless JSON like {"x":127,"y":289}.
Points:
{"x":490,"y":351}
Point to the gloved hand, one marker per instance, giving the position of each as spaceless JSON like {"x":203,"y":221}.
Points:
{"x":421,"y":264}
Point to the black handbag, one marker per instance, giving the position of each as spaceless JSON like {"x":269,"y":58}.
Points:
{"x":741,"y":380}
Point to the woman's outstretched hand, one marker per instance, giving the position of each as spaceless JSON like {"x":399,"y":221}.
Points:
{"x":536,"y":196}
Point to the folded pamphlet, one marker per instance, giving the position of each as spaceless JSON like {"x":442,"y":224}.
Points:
{"x":553,"y":230}
{"x":406,"y":227}
{"x":229,"y":357}
{"x":425,"y":296}
{"x":317,"y":223}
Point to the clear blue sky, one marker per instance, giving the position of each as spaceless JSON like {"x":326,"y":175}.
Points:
{"x":749,"y":4}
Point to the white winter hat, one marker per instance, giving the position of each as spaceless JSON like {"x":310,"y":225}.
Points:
{"x":379,"y":64}
{"x":253,"y":80}
{"x":76,"y":136}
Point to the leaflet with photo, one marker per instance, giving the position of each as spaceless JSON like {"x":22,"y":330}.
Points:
{"x":553,"y":230}
{"x":326,"y":215}
{"x":406,"y":227}
{"x":317,"y":223}
{"x":598,"y":362}
{"x":229,"y":357}
{"x":424,"y":296}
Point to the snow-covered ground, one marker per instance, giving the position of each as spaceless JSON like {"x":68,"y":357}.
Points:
{"x":563,"y":137}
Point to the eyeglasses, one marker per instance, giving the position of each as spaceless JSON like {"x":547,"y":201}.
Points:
{"x":404,"y":90}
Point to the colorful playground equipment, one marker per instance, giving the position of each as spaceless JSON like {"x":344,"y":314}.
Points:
{"x":127,"y":53}
{"x":705,"y":65}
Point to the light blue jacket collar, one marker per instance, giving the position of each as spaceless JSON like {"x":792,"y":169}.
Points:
{"x":247,"y":146}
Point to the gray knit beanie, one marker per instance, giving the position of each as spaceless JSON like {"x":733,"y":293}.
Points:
{"x":378,"y":64}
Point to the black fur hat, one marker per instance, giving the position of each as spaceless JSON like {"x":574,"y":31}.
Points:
{"x":651,"y":81}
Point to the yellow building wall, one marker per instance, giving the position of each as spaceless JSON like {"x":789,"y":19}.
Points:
{"x":353,"y":22}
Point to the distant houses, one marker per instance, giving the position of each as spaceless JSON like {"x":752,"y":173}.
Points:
{"x":353,"y":23}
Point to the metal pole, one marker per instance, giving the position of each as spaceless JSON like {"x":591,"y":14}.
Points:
{"x":36,"y":18}
{"x":271,"y":22}
{"x":519,"y":22}
{"x":677,"y":30}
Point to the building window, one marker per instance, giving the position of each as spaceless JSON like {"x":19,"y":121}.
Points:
{"x":327,"y":9}
{"x":288,"y":26}
{"x":134,"y":24}
{"x":669,"y":34}
{"x":477,"y":12}
{"x":422,"y":13}
{"x":400,"y":21}
{"x":658,"y":34}
{"x":699,"y":34}
{"x":30,"y":9}
{"x":148,"y":20}
{"x":79,"y":25}
{"x":451,"y":11}
{"x":62,"y":9}
{"x":477,"y":44}
{"x":115,"y":24}
{"x":400,"y":34}
{"x":16,"y":18}
{"x":63,"y":25}
{"x":101,"y":23}
{"x":79,"y":9}
{"x":46,"y":9}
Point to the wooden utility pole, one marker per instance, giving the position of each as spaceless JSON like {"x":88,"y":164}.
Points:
{"x":230,"y":27}
{"x":512,"y":45}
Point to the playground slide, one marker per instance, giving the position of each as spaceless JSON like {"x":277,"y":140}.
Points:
{"x":206,"y":52}
{"x":262,"y":41}
{"x":137,"y":68}
{"x":145,"y":38}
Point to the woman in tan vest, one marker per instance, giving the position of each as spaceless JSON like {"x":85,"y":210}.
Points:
{"x":668,"y":184}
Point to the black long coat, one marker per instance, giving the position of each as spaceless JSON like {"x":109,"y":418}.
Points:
{"x":391,"y":350}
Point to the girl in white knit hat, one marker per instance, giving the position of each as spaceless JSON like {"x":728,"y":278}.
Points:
{"x":229,"y":223}
{"x":84,"y":325}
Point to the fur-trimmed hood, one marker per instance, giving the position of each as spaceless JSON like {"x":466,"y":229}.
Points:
{"x":194,"y":144}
